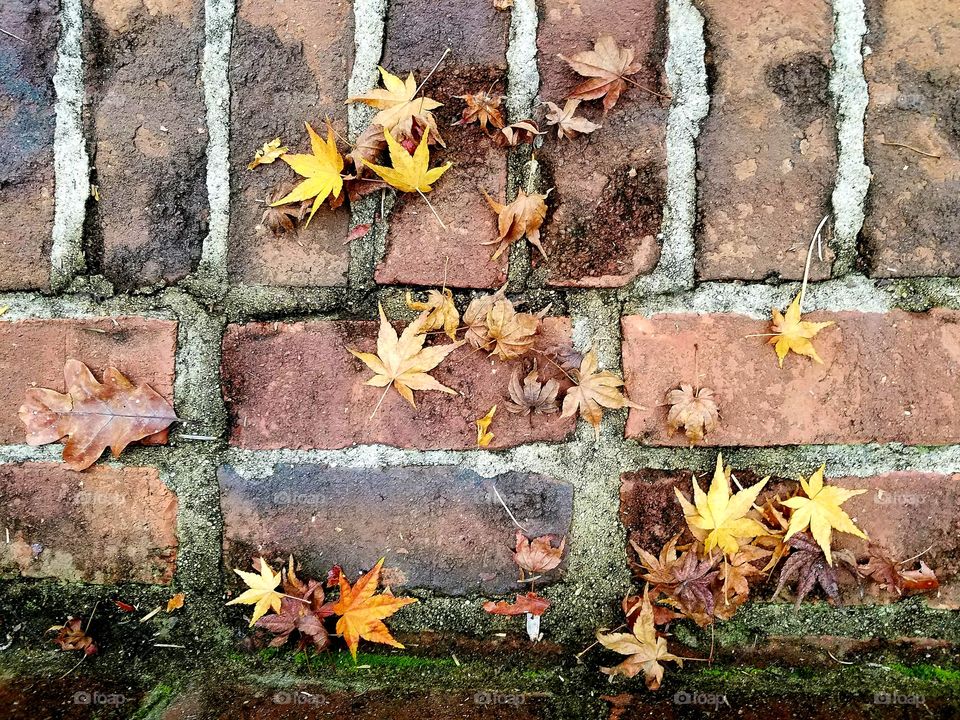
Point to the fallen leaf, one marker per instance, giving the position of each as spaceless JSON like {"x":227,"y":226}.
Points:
{"x":362,"y":613}
{"x":262,"y":594}
{"x":720,"y":516}
{"x":397,"y":105}
{"x":321,"y":169}
{"x":482,"y":108}
{"x":280,"y":219}
{"x":176,"y":602}
{"x":404,"y":361}
{"x":267,"y":154}
{"x":92,"y":416}
{"x":73,"y":636}
{"x":821,"y":512}
{"x":333,"y":576}
{"x":532,"y":397}
{"x":475,"y":318}
{"x":439,"y":312}
{"x":594,"y":390}
{"x":738,"y":569}
{"x":484,"y":436}
{"x":790,"y":332}
{"x":124,"y":607}
{"x":527,"y":604}
{"x":891,"y":576}
{"x":695,"y":411}
{"x":523,"y":216}
{"x":410,"y":173}
{"x":538,"y":555}
{"x":809,"y":567}
{"x":502,"y":4}
{"x":358,"y":231}
{"x":517,"y":133}
{"x":569,"y":126}
{"x":511,"y":333}
{"x":643,"y":646}
{"x":303,"y":612}
{"x":370,"y":143}
{"x":775,"y":527}
{"x":607,"y":66}
{"x":690,"y":583}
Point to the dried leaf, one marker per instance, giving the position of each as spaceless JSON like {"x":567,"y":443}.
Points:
{"x":510,"y":333}
{"x":482,"y":108}
{"x":362,"y":613}
{"x":73,"y":636}
{"x":368,"y":146}
{"x":737,"y":570}
{"x":484,"y":436}
{"x":404,"y":361}
{"x":281,"y":219}
{"x":569,"y":126}
{"x":439,"y":312}
{"x":607,"y":66}
{"x":93,"y":416}
{"x":410,"y":172}
{"x":267,"y":154}
{"x":321,"y":169}
{"x":809,"y":567}
{"x":398,"y":106}
{"x":695,"y":411}
{"x":527,"y":604}
{"x":262,"y":593}
{"x":517,"y":134}
{"x":176,"y":602}
{"x":502,"y":4}
{"x":594,"y":390}
{"x":793,"y":333}
{"x":689,"y":582}
{"x":303,"y":612}
{"x":532,"y":397}
{"x":358,"y":231}
{"x":523,"y":216}
{"x":538,"y":555}
{"x":124,"y":607}
{"x":891,"y":576}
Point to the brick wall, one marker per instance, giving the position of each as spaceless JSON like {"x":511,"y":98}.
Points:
{"x":672,"y":233}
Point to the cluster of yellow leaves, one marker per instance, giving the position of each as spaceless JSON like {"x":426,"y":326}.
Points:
{"x":321,"y":169}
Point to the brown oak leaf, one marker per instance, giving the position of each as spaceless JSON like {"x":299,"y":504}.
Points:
{"x":595,"y":389}
{"x":695,"y":411}
{"x":538,"y":555}
{"x":93,"y":416}
{"x":529,"y":603}
{"x":482,"y":108}
{"x":523,"y":216}
{"x":531,"y":397}
{"x":568,"y":124}
{"x":606,"y":66}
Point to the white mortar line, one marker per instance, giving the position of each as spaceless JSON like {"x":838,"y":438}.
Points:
{"x":71,"y":164}
{"x":523,"y":76}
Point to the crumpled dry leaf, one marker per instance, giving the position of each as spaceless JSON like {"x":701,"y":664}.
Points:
{"x":92,"y":416}
{"x":527,"y":604}
{"x":523,"y":216}
{"x":368,"y":146}
{"x":176,"y":602}
{"x":607,"y":66}
{"x":736,"y":571}
{"x":511,"y":333}
{"x":538,"y":555}
{"x":891,"y":576}
{"x":262,"y":593}
{"x":404,"y":361}
{"x":281,"y":219}
{"x":808,"y":566}
{"x":304,"y":612}
{"x":398,"y":106}
{"x":568,"y":125}
{"x":695,"y":411}
{"x":517,"y":133}
{"x":484,"y":436}
{"x":321,"y":169}
{"x":532,"y":397}
{"x":439,"y":312}
{"x":410,"y":172}
{"x":594,"y":390}
{"x":73,"y":636}
{"x":482,"y":108}
{"x":267,"y":154}
{"x":502,"y":4}
{"x":790,"y":332}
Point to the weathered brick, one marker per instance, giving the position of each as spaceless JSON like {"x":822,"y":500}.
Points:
{"x":146,"y":121}
{"x":72,"y":697}
{"x":440,"y":528}
{"x":272,"y":44}
{"x":905,"y":512}
{"x":876,"y":383}
{"x":767,"y":149}
{"x":294,"y":385}
{"x":105,"y":525}
{"x":33,"y":352}
{"x":27,"y":123}
{"x":609,"y":186}
{"x":912,"y":224}
{"x":420,"y":251}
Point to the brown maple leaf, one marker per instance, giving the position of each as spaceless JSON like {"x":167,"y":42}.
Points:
{"x":523,"y":216}
{"x":658,"y":567}
{"x":369,"y":145}
{"x":891,"y":576}
{"x":283,"y":218}
{"x":737,"y":571}
{"x":438,"y":312}
{"x":518,"y":133}
{"x":92,"y":416}
{"x":695,"y":411}
{"x":494,"y":325}
{"x":482,"y":108}
{"x":808,"y":566}
{"x":607,"y":68}
{"x":304,"y":612}
{"x":531,"y":397}
{"x":73,"y":636}
{"x":662,"y":615}
{"x":595,"y":389}
{"x":538,"y":555}
{"x":569,"y":125}
{"x":527,"y":604}
{"x":776,"y":525}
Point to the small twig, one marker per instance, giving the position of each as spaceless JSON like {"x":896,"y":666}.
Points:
{"x":430,"y":74}
{"x":918,"y":555}
{"x":379,"y":402}
{"x":17,"y":37}
{"x":198,"y":437}
{"x":806,"y":270}
{"x":167,"y":645}
{"x":838,"y":660}
{"x":911,"y":147}
{"x":90,"y":619}
{"x":500,"y":498}
{"x":432,"y":209}
{"x":73,"y":668}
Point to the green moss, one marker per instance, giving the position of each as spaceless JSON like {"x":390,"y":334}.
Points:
{"x":949,"y":677}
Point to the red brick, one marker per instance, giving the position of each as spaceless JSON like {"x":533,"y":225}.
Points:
{"x":27,"y":121}
{"x":294,"y":385}
{"x":72,"y":697}
{"x":767,"y":149}
{"x":609,"y":186}
{"x":420,"y":251}
{"x":912,"y":224}
{"x":905,"y":512}
{"x":440,"y":528}
{"x":270,"y":40}
{"x":146,"y":119}
{"x":105,"y":525}
{"x":33,"y":352}
{"x":876,"y":383}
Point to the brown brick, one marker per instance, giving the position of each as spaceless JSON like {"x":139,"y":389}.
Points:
{"x":876,"y":383}
{"x":294,"y":385}
{"x":32,"y":353}
{"x":609,"y":186}
{"x":27,"y":123}
{"x":313,"y":42}
{"x":767,"y":149}
{"x":31,"y":697}
{"x":146,"y":121}
{"x":105,"y":525}
{"x":420,"y":251}
{"x":912,"y":224}
{"x":905,"y":512}
{"x":440,"y":528}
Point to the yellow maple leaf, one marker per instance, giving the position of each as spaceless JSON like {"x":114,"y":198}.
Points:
{"x":820,"y":511}
{"x":410,"y":173}
{"x":594,"y":391}
{"x":362,"y":613}
{"x":719,"y":519}
{"x":792,"y":333}
{"x":440,"y":312}
{"x":321,"y":170}
{"x":404,"y":361}
{"x":484,"y":437}
{"x":262,"y":594}
{"x":397,"y":104}
{"x":267,"y":154}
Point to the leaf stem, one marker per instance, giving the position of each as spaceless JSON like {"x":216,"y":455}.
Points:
{"x":432,"y":209}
